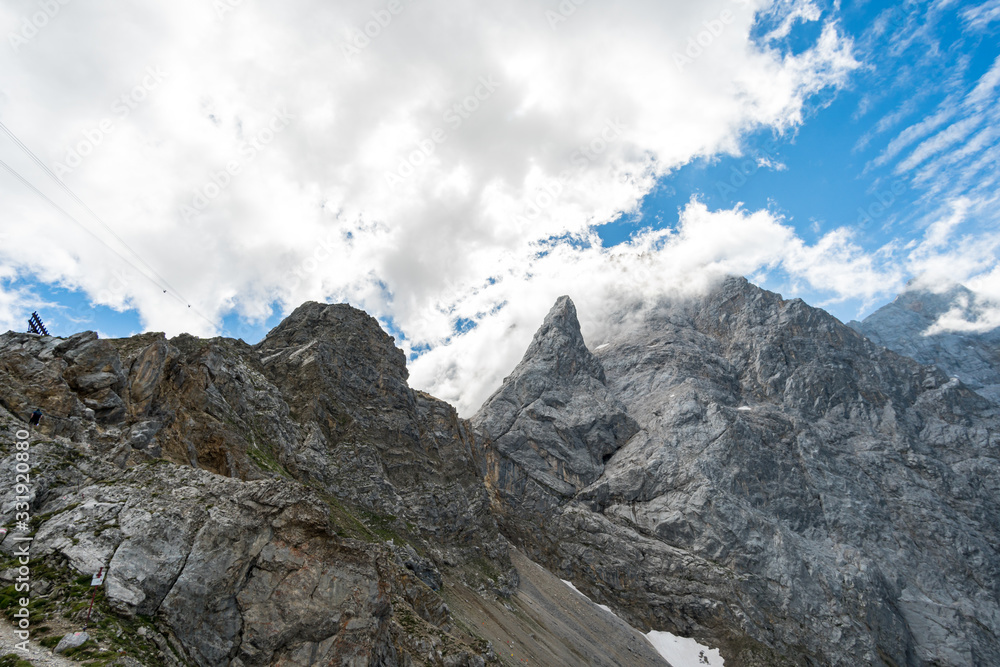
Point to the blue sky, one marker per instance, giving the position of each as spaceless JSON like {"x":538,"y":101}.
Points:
{"x":828,"y":177}
{"x":430,"y":173}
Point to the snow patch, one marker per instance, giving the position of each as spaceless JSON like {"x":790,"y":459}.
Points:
{"x":683,"y":652}
{"x":678,"y":651}
{"x":577,"y":590}
{"x":601,"y":347}
{"x":744,"y":408}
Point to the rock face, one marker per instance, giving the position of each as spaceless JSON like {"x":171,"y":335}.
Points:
{"x":294,"y":502}
{"x":796,"y":494}
{"x":289,"y":503}
{"x":738,"y":468}
{"x":902,"y":326}
{"x":251,"y":573}
{"x":553,"y":424}
{"x":370,"y":439}
{"x":323,"y":399}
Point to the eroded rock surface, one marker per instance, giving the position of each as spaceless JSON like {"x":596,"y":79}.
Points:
{"x":796,"y":495}
{"x":905,"y":326}
{"x":553,"y":424}
{"x":737,"y":468}
{"x":294,"y":502}
{"x":251,"y":573}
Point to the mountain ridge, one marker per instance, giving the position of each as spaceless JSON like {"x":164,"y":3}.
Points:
{"x":906,"y":324}
{"x":737,"y":467}
{"x":768,"y":422}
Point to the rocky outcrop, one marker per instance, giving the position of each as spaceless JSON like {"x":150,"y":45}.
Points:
{"x":79,"y":380}
{"x":370,"y":439}
{"x":905,"y":326}
{"x":553,"y":425}
{"x":796,"y":495}
{"x":738,"y":468}
{"x":293,"y":502}
{"x":212,"y":570}
{"x":322,"y":399}
{"x":238,"y":573}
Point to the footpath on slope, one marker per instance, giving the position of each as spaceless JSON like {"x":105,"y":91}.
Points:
{"x":36,"y":655}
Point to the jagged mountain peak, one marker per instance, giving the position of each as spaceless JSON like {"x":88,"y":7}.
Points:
{"x":905,"y":326}
{"x":914,"y":311}
{"x":336,"y":334}
{"x":563,"y":308}
{"x":557,"y":395}
{"x":770,"y":431}
{"x":313,"y":317}
{"x":559,"y":344}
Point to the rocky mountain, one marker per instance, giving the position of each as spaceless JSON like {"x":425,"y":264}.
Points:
{"x":736,"y":468}
{"x":905,"y":326}
{"x":553,"y":424}
{"x":795,"y":494}
{"x":293,"y":503}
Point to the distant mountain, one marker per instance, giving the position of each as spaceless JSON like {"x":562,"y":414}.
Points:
{"x":794,"y":494}
{"x":902,"y":326}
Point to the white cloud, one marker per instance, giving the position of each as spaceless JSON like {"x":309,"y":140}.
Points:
{"x":948,"y":137}
{"x":952,"y":250}
{"x":309,"y":213}
{"x":792,"y":13}
{"x":950,"y":253}
{"x":14,"y":312}
{"x":559,"y":126}
{"x":957,"y":152}
{"x":912,"y":133}
{"x":982,"y":15}
{"x":705,"y":246}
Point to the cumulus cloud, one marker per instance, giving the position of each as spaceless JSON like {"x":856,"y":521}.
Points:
{"x":441,"y":164}
{"x":684,"y":261}
{"x":951,"y":254}
{"x":260,"y":155}
{"x":679,"y":262}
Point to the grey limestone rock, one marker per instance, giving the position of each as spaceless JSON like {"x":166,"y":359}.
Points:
{"x":71,"y":640}
{"x":553,"y":424}
{"x":293,"y":502}
{"x":736,"y":467}
{"x":904,"y":326}
{"x":796,"y":494}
